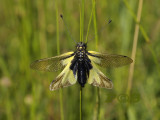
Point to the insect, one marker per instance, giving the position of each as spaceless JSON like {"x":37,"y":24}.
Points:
{"x":80,"y":66}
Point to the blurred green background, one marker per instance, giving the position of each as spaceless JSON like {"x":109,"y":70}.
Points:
{"x":28,"y":31}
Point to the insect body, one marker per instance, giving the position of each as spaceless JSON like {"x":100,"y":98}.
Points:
{"x":80,"y":66}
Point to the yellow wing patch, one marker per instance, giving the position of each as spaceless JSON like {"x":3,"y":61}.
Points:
{"x":64,"y":79}
{"x":97,"y":78}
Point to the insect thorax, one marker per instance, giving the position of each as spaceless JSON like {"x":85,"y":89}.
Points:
{"x":80,"y":55}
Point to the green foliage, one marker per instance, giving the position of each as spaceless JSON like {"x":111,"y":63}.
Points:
{"x":32,"y":30}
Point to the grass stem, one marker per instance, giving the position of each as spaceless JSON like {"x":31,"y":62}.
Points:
{"x":98,"y":103}
{"x":90,"y":19}
{"x":96,"y":45}
{"x":80,"y":103}
{"x":81,"y":20}
{"x":81,"y":40}
{"x":61,"y":103}
{"x":135,"y":40}
{"x":58,"y":52}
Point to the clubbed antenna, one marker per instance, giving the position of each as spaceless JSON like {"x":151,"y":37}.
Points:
{"x":109,"y":21}
{"x":66,"y":27}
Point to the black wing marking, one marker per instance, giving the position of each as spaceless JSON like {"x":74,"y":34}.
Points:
{"x":105,"y":60}
{"x":53,"y":63}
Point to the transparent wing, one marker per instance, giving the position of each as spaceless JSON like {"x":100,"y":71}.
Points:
{"x":64,"y":79}
{"x":105,"y":60}
{"x":97,"y":78}
{"x":53,"y":63}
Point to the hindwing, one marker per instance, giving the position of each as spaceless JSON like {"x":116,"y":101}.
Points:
{"x":64,"y":79}
{"x":97,"y":78}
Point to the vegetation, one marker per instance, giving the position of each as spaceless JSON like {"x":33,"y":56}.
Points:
{"x":32,"y":29}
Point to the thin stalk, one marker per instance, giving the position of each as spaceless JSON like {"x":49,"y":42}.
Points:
{"x":80,"y":25}
{"x":95,"y":24}
{"x":61,"y":102}
{"x":89,"y":24}
{"x":98,"y":103}
{"x":96,"y":44}
{"x":58,"y":52}
{"x":135,"y":40}
{"x":81,"y":20}
{"x":146,"y":37}
{"x":135,"y":19}
{"x":42,"y":26}
{"x":80,"y":103}
{"x":57,"y":27}
{"x":81,"y":40}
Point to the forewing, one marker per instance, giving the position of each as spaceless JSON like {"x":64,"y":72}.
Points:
{"x":105,"y":60}
{"x":64,"y":79}
{"x":97,"y":78}
{"x":53,"y":63}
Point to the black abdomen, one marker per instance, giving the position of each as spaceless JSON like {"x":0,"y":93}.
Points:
{"x":81,"y":67}
{"x":81,"y":73}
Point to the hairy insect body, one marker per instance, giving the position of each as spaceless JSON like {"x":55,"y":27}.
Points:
{"x":81,"y":65}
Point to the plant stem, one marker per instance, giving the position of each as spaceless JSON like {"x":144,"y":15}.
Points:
{"x":81,"y":40}
{"x":98,"y":103}
{"x":61,"y":103}
{"x":81,"y":20}
{"x":95,"y":24}
{"x":58,"y":52}
{"x":80,"y":103}
{"x":96,"y":44}
{"x":90,"y":19}
{"x":135,"y":40}
{"x":135,"y":19}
